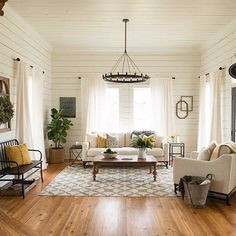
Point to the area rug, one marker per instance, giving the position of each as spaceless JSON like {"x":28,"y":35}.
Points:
{"x":111,"y":182}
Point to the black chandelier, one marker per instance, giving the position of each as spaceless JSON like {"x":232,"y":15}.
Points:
{"x":129,"y":72}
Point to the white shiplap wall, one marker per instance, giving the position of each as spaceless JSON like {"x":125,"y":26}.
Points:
{"x":219,"y":52}
{"x":68,"y":65}
{"x":19,"y":39}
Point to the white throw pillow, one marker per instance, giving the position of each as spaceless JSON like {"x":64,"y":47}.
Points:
{"x":92,"y":139}
{"x":212,"y":146}
{"x":204,"y":155}
{"x":159,"y":141}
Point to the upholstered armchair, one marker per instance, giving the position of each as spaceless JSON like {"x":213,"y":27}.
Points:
{"x":222,"y":168}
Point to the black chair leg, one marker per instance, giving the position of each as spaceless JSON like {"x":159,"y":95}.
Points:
{"x":22,"y":186}
{"x":176,"y":187}
{"x":41,"y":171}
{"x":84,"y":164}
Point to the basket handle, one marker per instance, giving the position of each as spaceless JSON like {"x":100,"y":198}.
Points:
{"x":209,"y":176}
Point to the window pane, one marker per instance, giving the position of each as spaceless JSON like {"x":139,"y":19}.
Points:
{"x":112,"y":109}
{"x":142,"y":108}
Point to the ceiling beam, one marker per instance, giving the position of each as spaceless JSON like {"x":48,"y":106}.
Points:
{"x":2,"y":3}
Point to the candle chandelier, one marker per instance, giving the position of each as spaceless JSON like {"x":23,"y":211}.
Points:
{"x":125,"y":70}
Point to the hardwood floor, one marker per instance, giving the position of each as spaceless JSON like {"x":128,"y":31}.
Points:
{"x":105,"y":216}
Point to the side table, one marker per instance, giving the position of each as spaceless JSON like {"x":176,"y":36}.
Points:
{"x":173,"y":152}
{"x":75,"y":154}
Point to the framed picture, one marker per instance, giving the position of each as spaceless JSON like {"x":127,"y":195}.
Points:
{"x":189,"y":101}
{"x":68,"y":104}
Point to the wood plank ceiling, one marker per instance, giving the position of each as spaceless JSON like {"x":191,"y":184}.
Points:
{"x":154,"y":24}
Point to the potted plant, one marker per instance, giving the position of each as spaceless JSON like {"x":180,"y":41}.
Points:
{"x":142,"y":142}
{"x":57,"y":132}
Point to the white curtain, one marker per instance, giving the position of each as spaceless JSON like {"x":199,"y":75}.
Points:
{"x":93,"y":105}
{"x":216,"y":98}
{"x":37,"y":112}
{"x":23,"y":124}
{"x":204,"y":121}
{"x":162,"y":106}
{"x":210,"y":117}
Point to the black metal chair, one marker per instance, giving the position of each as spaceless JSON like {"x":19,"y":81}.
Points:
{"x":18,"y":171}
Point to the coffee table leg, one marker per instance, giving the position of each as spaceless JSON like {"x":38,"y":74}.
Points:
{"x":150,"y":169}
{"x":154,"y":172}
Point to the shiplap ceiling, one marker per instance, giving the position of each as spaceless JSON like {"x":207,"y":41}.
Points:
{"x":154,"y":24}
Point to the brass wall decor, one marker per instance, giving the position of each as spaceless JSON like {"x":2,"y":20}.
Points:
{"x":2,"y":3}
{"x":179,"y":113}
{"x":189,"y":100}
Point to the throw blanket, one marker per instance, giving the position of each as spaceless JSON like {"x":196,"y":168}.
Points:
{"x":223,"y":148}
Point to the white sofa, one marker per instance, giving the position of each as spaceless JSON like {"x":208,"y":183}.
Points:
{"x":90,"y":150}
{"x":223,"y":169}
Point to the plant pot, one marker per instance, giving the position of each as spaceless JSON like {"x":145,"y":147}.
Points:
{"x":56,"y":155}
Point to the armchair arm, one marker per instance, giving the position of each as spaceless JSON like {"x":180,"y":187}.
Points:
{"x":223,"y":171}
{"x":85,"y":148}
{"x":40,"y":153}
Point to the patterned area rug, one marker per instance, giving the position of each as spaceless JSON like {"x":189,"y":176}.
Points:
{"x":112,"y":182}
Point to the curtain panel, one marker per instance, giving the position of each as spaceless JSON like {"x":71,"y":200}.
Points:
{"x":163,"y":119}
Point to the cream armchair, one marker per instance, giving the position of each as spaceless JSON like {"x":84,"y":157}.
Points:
{"x":223,"y":170}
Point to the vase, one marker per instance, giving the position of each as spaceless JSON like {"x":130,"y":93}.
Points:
{"x":141,"y":153}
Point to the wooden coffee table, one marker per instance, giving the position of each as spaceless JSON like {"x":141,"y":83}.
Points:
{"x":123,"y":161}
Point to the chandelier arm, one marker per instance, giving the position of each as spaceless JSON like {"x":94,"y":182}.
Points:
{"x":128,"y":66}
{"x":117,"y":63}
{"x":123,"y":65}
{"x":134,"y":65}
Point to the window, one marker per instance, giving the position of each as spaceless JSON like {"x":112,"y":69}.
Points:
{"x":142,"y":108}
{"x":112,"y":109}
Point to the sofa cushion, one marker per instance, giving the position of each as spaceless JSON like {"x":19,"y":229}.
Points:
{"x":112,"y":141}
{"x":101,"y":141}
{"x":121,"y":138}
{"x":128,"y":142}
{"x":157,"y":152}
{"x":159,"y":140}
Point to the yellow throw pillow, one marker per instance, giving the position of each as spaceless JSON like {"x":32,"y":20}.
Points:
{"x":101,"y":142}
{"x":19,"y":154}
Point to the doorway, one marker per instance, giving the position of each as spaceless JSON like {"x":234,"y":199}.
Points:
{"x":233,"y":126}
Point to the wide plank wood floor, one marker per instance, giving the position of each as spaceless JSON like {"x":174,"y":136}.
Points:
{"x":106,"y":216}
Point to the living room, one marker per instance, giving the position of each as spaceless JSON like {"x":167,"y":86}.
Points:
{"x":69,"y":46}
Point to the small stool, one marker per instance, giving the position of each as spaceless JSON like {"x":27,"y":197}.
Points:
{"x":75,"y":154}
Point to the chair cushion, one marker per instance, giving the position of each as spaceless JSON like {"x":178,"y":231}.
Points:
{"x":157,"y":152}
{"x":19,"y":154}
{"x":204,"y":154}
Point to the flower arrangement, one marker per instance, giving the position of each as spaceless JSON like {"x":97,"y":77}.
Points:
{"x":143,"y":141}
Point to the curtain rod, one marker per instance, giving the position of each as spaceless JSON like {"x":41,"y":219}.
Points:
{"x":18,"y":59}
{"x":171,"y":78}
{"x":220,"y":68}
